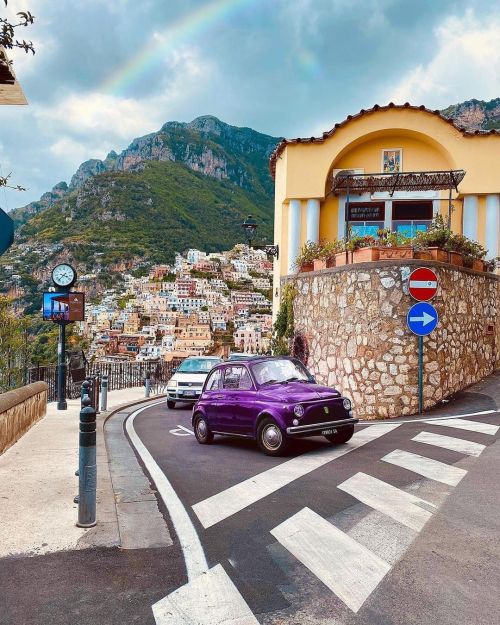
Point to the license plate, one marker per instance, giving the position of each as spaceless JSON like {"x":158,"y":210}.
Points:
{"x":189,"y":393}
{"x":328,"y":432}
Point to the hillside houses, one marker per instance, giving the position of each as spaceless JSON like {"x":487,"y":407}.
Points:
{"x":203,"y":303}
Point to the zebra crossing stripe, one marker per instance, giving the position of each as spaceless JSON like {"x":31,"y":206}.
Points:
{"x":432,"y":469}
{"x":394,"y":502}
{"x":449,"y":442}
{"x":465,"y":424}
{"x":346,"y":567}
{"x":210,"y":599}
{"x":234,"y":499}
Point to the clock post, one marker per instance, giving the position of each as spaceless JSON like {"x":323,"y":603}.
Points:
{"x":63,"y":277}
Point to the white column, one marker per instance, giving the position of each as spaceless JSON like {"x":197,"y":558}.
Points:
{"x":341,"y":217}
{"x":470,"y":210}
{"x":492,"y":225}
{"x":293,"y":233}
{"x":312,"y":221}
{"x":388,"y":214}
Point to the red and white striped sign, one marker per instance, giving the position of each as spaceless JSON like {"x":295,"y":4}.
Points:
{"x":423,"y":284}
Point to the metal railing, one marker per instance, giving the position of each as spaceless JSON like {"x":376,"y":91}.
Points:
{"x":120,"y":375}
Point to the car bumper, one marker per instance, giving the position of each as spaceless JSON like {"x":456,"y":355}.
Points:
{"x":313,"y":429}
{"x":179,"y":396}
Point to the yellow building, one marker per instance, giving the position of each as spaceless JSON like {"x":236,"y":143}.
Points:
{"x":313,"y":199}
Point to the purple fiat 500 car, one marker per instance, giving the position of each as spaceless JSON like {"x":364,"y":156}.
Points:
{"x":270,"y":399}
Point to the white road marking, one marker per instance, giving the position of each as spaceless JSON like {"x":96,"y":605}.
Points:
{"x":180,"y":430}
{"x":234,"y":499}
{"x":431,"y":419}
{"x":194,"y":556}
{"x":210,"y":599}
{"x":449,"y":442}
{"x":465,"y":424}
{"x":394,"y":502}
{"x":432,"y":469}
{"x":346,"y":567}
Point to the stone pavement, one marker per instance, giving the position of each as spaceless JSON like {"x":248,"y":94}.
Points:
{"x":38,"y":484}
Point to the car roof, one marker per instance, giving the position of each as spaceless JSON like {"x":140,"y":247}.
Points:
{"x":256,"y":359}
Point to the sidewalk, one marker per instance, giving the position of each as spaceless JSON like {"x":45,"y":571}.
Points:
{"x":38,"y":484}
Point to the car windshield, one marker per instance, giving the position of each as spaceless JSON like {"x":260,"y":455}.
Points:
{"x":198,"y":365}
{"x":280,"y":371}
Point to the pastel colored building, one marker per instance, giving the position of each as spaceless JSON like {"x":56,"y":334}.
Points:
{"x":394,"y":140}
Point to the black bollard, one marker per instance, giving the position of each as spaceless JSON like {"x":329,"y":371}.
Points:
{"x":85,"y":390}
{"x":87,"y":480}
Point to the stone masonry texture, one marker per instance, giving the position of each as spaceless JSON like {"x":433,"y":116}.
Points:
{"x":354,"y":319}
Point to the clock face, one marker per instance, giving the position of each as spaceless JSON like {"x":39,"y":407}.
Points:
{"x":63,"y":275}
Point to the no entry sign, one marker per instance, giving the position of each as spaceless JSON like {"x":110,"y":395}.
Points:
{"x":423,"y":284}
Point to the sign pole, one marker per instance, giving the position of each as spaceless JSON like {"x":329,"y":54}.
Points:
{"x":61,"y":368}
{"x":420,"y":374}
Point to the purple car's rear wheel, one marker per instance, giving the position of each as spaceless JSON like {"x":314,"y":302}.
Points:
{"x":202,"y":432}
{"x":270,"y":438}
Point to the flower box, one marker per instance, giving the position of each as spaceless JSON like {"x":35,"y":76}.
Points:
{"x":304,"y":268}
{"x":365,"y":255}
{"x":422,"y":255}
{"x":389,"y":253}
{"x":438,"y":254}
{"x":456,"y":259}
{"x":478,"y":264}
{"x":319,"y":263}
{"x":343,"y":258}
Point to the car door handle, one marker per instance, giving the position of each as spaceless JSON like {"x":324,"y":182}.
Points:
{"x":218,"y":396}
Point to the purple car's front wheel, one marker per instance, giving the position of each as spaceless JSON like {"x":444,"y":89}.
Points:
{"x":270,"y":438}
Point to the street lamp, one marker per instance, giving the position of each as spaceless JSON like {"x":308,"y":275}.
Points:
{"x":249,"y":228}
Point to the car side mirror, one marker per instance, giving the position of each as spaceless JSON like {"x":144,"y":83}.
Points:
{"x":174,"y":369}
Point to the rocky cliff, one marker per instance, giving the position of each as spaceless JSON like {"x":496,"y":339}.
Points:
{"x":475,"y":114}
{"x":205,"y":145}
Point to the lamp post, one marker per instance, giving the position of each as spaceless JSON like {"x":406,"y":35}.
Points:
{"x":249,"y":227}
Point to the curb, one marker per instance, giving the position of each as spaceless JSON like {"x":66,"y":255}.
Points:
{"x":140,"y":522}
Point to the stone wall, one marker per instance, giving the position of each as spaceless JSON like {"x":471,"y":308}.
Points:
{"x":354,"y":319}
{"x":19,"y":410}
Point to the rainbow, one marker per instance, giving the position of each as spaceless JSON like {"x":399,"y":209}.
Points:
{"x":176,"y":34}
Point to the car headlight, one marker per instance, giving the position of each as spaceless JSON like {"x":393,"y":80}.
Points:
{"x":298,"y":410}
{"x":347,"y":403}
{"x":171,"y":383}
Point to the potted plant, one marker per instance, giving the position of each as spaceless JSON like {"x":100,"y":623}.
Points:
{"x":455,"y":246}
{"x":364,"y":249}
{"x":327,"y":253}
{"x":434,"y":240}
{"x":394,"y":245}
{"x":343,"y":256}
{"x":305,"y":258}
{"x":473,"y":254}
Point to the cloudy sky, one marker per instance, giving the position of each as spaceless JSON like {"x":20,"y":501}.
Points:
{"x":106,"y":71}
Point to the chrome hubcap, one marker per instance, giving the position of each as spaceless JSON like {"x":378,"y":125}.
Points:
{"x":202,"y":429}
{"x":272,"y":437}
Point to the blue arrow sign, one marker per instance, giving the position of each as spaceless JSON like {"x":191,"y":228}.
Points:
{"x":422,"y":318}
{"x":6,"y":232}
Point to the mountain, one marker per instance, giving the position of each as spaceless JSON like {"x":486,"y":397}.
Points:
{"x":187,"y":185}
{"x":475,"y":114}
{"x":206,"y":145}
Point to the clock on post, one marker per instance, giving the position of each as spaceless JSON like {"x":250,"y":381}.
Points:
{"x":64,"y":276}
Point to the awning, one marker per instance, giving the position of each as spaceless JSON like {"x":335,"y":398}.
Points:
{"x":346,"y":181}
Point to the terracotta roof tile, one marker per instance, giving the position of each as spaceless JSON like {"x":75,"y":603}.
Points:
{"x":377,"y":107}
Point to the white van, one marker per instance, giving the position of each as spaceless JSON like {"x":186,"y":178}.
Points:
{"x":186,"y":383}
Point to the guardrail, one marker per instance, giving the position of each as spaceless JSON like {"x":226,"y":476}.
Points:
{"x":120,"y":375}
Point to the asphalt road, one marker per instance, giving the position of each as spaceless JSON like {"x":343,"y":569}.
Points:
{"x":383,"y":530}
